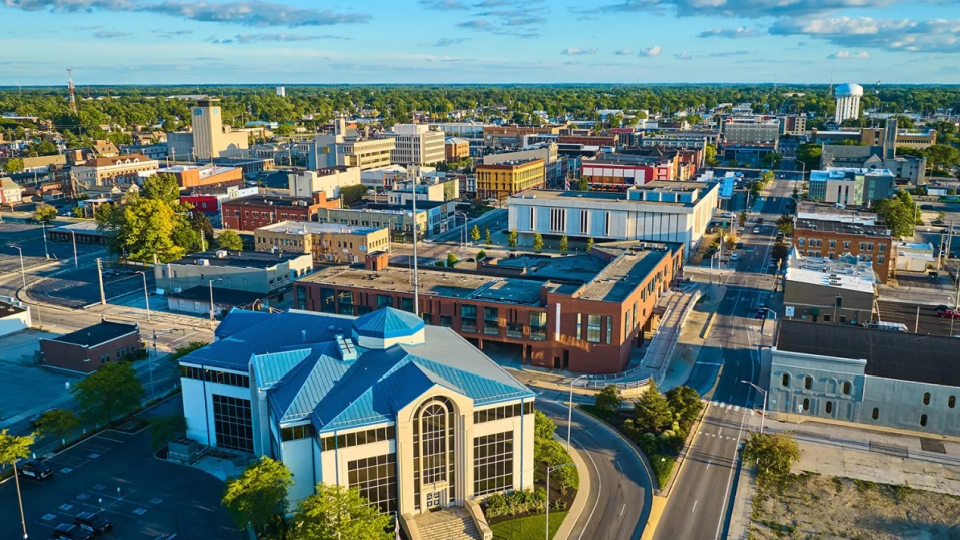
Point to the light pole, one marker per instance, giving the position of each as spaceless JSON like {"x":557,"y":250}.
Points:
{"x":43,"y":225}
{"x":764,"y":321}
{"x":23,"y":275}
{"x":146,"y":297}
{"x":74,"y":234}
{"x":16,"y":480}
{"x":546,"y":533}
{"x":764,"y":415}
{"x":570,"y":410}
{"x":211,"y":298}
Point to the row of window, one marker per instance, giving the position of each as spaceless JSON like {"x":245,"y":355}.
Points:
{"x":492,"y":463}
{"x":816,"y":242}
{"x":232,"y":423}
{"x":596,"y":325}
{"x":558,"y":221}
{"x":499,"y":413}
{"x":847,"y":387}
{"x":296,"y":432}
{"x":215,"y":376}
{"x":356,"y":439}
{"x":376,"y":478}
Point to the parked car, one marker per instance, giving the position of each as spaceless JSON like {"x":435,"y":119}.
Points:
{"x":756,"y":230}
{"x":949,"y":314}
{"x":739,"y":245}
{"x":34,"y":469}
{"x":95,"y":522}
{"x":735,"y":257}
{"x":760,"y":314}
{"x":759,"y":220}
{"x":67,"y":531}
{"x":942,"y":307}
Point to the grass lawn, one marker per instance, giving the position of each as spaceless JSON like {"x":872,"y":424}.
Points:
{"x":527,"y":528}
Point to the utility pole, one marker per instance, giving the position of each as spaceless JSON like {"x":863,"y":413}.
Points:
{"x":74,"y":235}
{"x":103,"y":297}
{"x":416,"y":226}
{"x":43,"y":226}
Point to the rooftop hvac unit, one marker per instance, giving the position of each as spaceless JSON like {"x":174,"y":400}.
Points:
{"x":203,"y":262}
{"x":222,"y":254}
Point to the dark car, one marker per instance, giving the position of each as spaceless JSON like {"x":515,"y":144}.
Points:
{"x":759,"y":220}
{"x":942,"y":307}
{"x":34,"y":469}
{"x":760,"y":314}
{"x":66,"y":531}
{"x":739,"y":245}
{"x":95,"y":522}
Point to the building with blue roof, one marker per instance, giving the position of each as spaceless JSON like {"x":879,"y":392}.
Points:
{"x":412,"y":415}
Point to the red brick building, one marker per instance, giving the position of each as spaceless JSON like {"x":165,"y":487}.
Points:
{"x":89,"y":348}
{"x":833,"y":239}
{"x":249,"y":213}
{"x":583,"y":312}
{"x":589,"y":140}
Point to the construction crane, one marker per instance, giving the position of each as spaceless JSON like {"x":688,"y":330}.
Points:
{"x":72,"y":90}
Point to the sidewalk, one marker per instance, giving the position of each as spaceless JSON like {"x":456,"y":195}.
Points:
{"x":743,"y":504}
{"x":692,"y":336}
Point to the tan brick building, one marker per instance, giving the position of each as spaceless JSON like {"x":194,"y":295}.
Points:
{"x":331,"y":242}
{"x":832,"y":239}
{"x":501,"y":180}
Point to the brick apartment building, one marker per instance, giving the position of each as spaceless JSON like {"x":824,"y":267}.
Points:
{"x":582,"y":312}
{"x":250,"y":213}
{"x":589,"y":140}
{"x":192,"y":176}
{"x":832,"y":239}
{"x":89,"y":348}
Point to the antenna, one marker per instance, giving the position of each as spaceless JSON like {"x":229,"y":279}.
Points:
{"x":70,"y":89}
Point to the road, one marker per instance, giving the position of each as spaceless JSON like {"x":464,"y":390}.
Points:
{"x":698,"y":502}
{"x":619,"y":478}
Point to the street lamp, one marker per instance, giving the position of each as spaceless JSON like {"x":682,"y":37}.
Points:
{"x":74,"y":234}
{"x":146,"y":297}
{"x":764,"y":415}
{"x":570,"y":410}
{"x":23,"y":274}
{"x":546,"y":533}
{"x":764,"y":321}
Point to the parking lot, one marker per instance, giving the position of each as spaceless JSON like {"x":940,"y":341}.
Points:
{"x":29,"y":237}
{"x":927,"y":323}
{"x":116,"y":472}
{"x":79,"y":287}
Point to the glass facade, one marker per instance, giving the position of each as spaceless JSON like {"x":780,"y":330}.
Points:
{"x":593,"y":328}
{"x":434,"y":447}
{"x":357,"y":438}
{"x":538,"y":325}
{"x":493,"y":463}
{"x":468,"y":318}
{"x":376,"y":478}
{"x":499,"y":413}
{"x":232,"y":423}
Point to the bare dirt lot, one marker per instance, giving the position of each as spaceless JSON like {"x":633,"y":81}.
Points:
{"x":826,"y":508}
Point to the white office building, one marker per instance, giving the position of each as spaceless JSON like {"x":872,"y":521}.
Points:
{"x":416,"y":144}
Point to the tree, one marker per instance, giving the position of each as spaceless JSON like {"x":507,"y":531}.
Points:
{"x":785,"y":224}
{"x":766,"y":177}
{"x":259,"y":495}
{"x":45,"y":213}
{"x":13,"y":449}
{"x":164,"y":429}
{"x":710,"y":155}
{"x":512,"y":239}
{"x":920,"y":191}
{"x":543,"y":427}
{"x":730,"y":242}
{"x":338,"y":513}
{"x":563,"y":244}
{"x":145,"y":232}
{"x":481,"y":255}
{"x":773,"y":453}
{"x":942,"y":155}
{"x":13,"y":165}
{"x":486,"y":234}
{"x":537,"y":242}
{"x":809,"y":154}
{"x":652,"y":412}
{"x":583,"y":184}
{"x":589,"y":245}
{"x":475,"y":234}
{"x":111,"y":390}
{"x":608,"y":400}
{"x":58,"y":422}
{"x":772,"y":160}
{"x":780,"y":251}
{"x":565,"y":478}
{"x":743,"y":218}
{"x":230,"y":240}
{"x":899,"y":213}
{"x":77,"y":212}
{"x":352,"y":194}
{"x":201,"y":223}
{"x":451,"y":260}
{"x":684,"y":403}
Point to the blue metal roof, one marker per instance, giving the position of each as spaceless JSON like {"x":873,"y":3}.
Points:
{"x":388,"y":323}
{"x":238,"y":320}
{"x":270,"y":368}
{"x":297,"y":394}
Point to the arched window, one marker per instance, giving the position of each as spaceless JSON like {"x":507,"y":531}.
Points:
{"x":952,"y":402}
{"x":847,"y":387}
{"x":926,"y":398}
{"x":785,"y":380}
{"x":876,"y":413}
{"x":923,"y":420}
{"x":808,"y":382}
{"x":829,"y":407}
{"x":433,"y":451}
{"x":806,"y":404}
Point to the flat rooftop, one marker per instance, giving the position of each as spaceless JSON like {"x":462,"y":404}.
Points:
{"x":86,"y":227}
{"x":892,"y":355}
{"x":846,"y":173}
{"x":831,"y":212}
{"x":619,"y":197}
{"x":623,"y":275}
{"x":841,"y":227}
{"x":312,"y":227}
{"x":269,"y":200}
{"x":98,"y":333}
{"x":238,"y":259}
{"x":7,"y":309}
{"x":831,"y":273}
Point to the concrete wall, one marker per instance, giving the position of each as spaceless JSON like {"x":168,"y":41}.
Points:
{"x":900,"y":404}
{"x":15,"y":323}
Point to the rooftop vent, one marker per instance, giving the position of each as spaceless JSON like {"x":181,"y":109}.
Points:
{"x":348,"y":351}
{"x":222,"y":254}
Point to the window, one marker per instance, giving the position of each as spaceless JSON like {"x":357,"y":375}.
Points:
{"x":785,"y":380}
{"x":538,"y":325}
{"x":833,"y":244}
{"x":829,"y":407}
{"x":346,"y":303}
{"x":533,"y":218}
{"x":384,"y":300}
{"x":881,"y":248}
{"x":491,"y":321}
{"x":923,"y":420}
{"x":376,"y":478}
{"x":846,"y":245}
{"x":434,"y":447}
{"x":584,"y":222}
{"x":353,"y":439}
{"x":406,"y":304}
{"x":800,"y":242}
{"x":876,"y":413}
{"x":296,"y":432}
{"x":608,"y":328}
{"x":232,"y":423}
{"x":579,"y":326}
{"x":328,"y":300}
{"x":807,"y":383}
{"x":225,"y":377}
{"x":806,"y":404}
{"x":926,"y":398}
{"x":952,"y":401}
{"x":846,"y":387}
{"x":493,"y":463}
{"x":468,"y":318}
{"x":446,"y":320}
{"x":500,"y":413}
{"x":514,"y":330}
{"x":593,"y":328}
{"x":558,"y":219}
{"x":606,"y":223}
{"x":879,"y":259}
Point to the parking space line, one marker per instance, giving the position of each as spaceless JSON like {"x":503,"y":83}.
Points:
{"x":109,"y":439}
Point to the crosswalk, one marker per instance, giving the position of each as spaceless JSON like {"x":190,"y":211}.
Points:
{"x":707,"y":430}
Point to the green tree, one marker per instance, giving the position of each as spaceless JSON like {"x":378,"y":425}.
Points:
{"x":809,"y":154}
{"x":475,"y":234}
{"x":743,"y":218}
{"x":608,"y":400}
{"x":45,"y":213}
{"x":563,"y":244}
{"x":785,"y":224}
{"x":77,"y":212}
{"x":110,"y":391}
{"x":451,"y":260}
{"x":259,"y":495}
{"x":537,"y":242}
{"x":58,"y":422}
{"x":145,"y":232}
{"x":899,"y":213}
{"x":230,"y":240}
{"x":583,"y":184}
{"x":942,"y":155}
{"x":352,"y":194}
{"x":201,"y":223}
{"x":486,"y":234}
{"x":512,"y":239}
{"x":565,"y":478}
{"x":773,"y":454}
{"x":162,"y":187}
{"x":338,"y":513}
{"x":12,"y":449}
{"x":652,"y":411}
{"x":710,"y":155}
{"x":780,"y":251}
{"x":13,"y":165}
{"x":164,"y":429}
{"x":589,"y":245}
{"x":543,"y":426}
{"x":772,"y":160}
{"x":766,"y":177}
{"x":685,"y":403}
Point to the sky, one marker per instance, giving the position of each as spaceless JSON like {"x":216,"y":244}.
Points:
{"x":478,"y":41}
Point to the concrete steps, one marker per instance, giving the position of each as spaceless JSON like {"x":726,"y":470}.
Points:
{"x":455,"y":528}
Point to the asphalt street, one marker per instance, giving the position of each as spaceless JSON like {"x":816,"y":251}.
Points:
{"x":620,"y":479}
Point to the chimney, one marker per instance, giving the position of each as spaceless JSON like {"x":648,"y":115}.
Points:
{"x":303,"y":336}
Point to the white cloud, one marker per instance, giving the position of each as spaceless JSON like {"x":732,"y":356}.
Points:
{"x":574,"y":51}
{"x":744,"y":9}
{"x":903,"y":35}
{"x":650,"y":51}
{"x":623,"y":52}
{"x":683,"y":56}
{"x":729,"y":33}
{"x":842,"y":55}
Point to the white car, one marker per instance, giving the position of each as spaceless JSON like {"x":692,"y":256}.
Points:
{"x":756,"y":230}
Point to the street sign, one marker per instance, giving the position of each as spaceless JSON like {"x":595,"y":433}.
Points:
{"x":788,"y":311}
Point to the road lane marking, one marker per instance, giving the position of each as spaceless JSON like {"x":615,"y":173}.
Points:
{"x":694,"y":507}
{"x":599,"y":488}
{"x":622,"y":509}
{"x":726,"y":492}
{"x":709,"y":462}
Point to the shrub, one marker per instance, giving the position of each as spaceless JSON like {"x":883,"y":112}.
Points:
{"x":662,"y":466}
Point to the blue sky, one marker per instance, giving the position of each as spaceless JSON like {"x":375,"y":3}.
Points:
{"x":479,"y":41}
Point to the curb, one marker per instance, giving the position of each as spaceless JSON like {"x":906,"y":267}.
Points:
{"x":682,"y":459}
{"x":633,"y":446}
{"x":580,"y":501}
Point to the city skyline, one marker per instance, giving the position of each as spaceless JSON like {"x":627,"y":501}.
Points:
{"x":478,"y":41}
